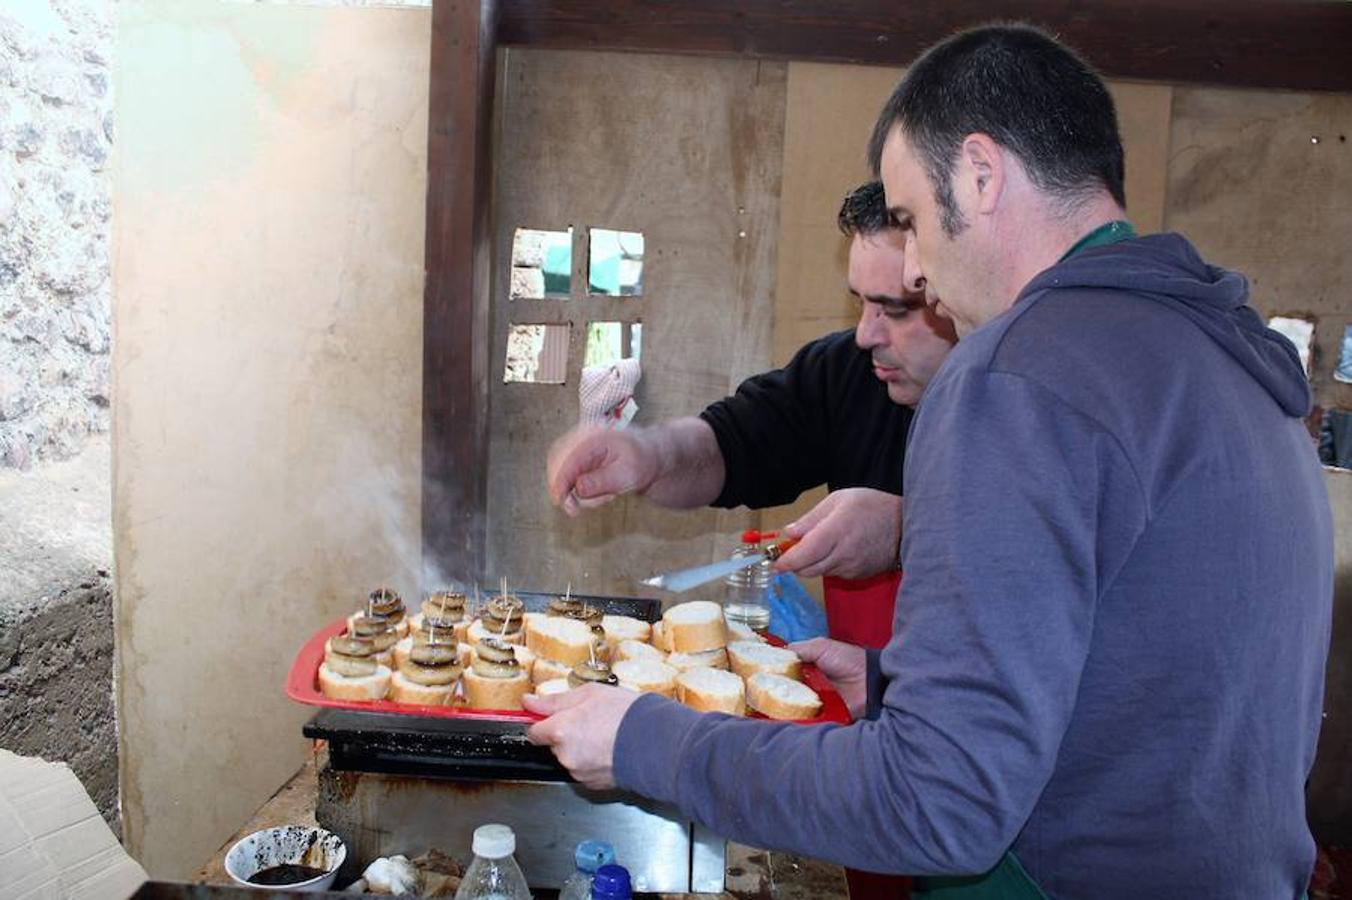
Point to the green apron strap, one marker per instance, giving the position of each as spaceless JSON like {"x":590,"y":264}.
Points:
{"x":1007,"y":881}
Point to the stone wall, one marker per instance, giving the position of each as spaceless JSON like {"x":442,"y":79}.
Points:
{"x":56,"y":133}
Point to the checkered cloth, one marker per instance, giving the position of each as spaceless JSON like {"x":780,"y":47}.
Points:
{"x":607,"y":393}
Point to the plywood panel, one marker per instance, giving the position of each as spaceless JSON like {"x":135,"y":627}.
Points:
{"x":686,"y":151}
{"x":269,"y":188}
{"x":1261,"y":181}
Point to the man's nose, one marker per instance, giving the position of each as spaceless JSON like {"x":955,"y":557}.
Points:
{"x":913,"y":279}
{"x":867,"y":332}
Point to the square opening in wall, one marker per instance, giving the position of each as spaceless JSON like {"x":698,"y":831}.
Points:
{"x":611,"y":341}
{"x":1299,"y":331}
{"x":615,"y":263}
{"x":537,"y":354}
{"x":542,"y":264}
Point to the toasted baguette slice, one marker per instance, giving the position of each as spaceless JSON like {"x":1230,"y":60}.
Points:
{"x":529,"y":619}
{"x":404,"y":691}
{"x":547,"y":670}
{"x":709,"y":659}
{"x":740,"y":631}
{"x":625,"y":628}
{"x":566,"y":641}
{"x":712,"y":690}
{"x":646,"y":676}
{"x":749,"y":657}
{"x":781,"y":698}
{"x":695,"y":627}
{"x":631,"y":649}
{"x":341,"y":687}
{"x":525,"y":659}
{"x":494,"y":693}
{"x":553,"y":686}
{"x":401,"y":651}
{"x":475,"y":632}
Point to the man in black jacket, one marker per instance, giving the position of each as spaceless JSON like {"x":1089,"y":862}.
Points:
{"x":837,"y":414}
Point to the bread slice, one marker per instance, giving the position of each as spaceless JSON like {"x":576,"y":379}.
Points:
{"x":740,"y":631}
{"x":342,"y":687}
{"x":401,"y":651}
{"x":525,"y":659}
{"x":646,"y":676}
{"x":781,"y":698}
{"x":746,"y":658}
{"x":403,"y":690}
{"x":695,"y":627}
{"x":494,"y":693}
{"x":547,"y":670}
{"x":631,"y":649}
{"x":712,"y":690}
{"x":709,"y":659}
{"x":553,"y":686}
{"x":625,"y":628}
{"x":566,"y":641}
{"x":659,"y":638}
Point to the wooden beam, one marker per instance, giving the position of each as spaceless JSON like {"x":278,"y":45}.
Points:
{"x":1293,"y":44}
{"x":456,"y":364}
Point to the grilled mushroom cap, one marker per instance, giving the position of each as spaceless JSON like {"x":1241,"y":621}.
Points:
{"x":434,"y":654}
{"x":378,"y":631}
{"x":564,"y":606}
{"x":591,"y":672}
{"x":504,"y":615}
{"x":442,"y":630}
{"x":386,"y":602}
{"x":351,"y":656}
{"x":444,"y":605}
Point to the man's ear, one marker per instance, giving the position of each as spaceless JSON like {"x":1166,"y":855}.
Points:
{"x":982,"y":162}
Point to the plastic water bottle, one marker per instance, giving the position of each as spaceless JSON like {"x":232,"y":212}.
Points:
{"x":611,"y":883}
{"x":749,"y":588}
{"x":494,"y":874}
{"x":588,"y":857}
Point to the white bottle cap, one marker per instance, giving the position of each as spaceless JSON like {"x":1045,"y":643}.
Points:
{"x":494,"y":841}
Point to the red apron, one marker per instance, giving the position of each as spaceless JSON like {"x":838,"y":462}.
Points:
{"x":859,"y":611}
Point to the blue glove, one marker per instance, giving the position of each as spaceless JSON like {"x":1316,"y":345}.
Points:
{"x":794,"y":615}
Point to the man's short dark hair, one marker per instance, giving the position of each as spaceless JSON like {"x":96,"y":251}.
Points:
{"x":1029,"y":93}
{"x":865,"y":211}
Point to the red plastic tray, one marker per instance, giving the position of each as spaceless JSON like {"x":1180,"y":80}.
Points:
{"x":302,"y":685}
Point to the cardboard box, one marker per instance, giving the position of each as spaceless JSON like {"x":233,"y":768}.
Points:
{"x":53,"y":842}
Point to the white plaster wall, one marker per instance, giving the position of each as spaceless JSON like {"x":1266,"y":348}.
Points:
{"x":269,"y":186}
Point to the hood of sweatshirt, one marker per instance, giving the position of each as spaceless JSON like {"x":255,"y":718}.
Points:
{"x":1167,"y":269}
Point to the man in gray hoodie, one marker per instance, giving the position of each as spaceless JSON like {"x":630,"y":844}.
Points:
{"x":1115,"y":617}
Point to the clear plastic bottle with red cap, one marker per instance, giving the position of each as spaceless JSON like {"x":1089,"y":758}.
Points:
{"x":748,"y":589}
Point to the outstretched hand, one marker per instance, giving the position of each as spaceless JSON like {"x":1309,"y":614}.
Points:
{"x":590,"y":466}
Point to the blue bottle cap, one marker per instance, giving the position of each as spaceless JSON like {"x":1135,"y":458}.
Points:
{"x":611,"y":883}
{"x":592,"y":855}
